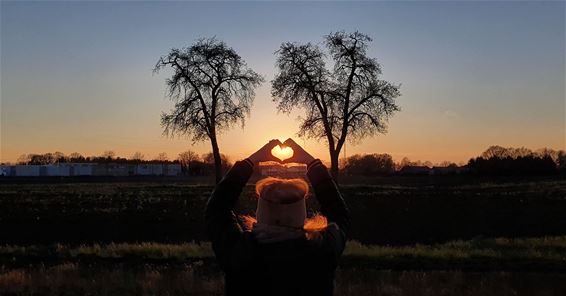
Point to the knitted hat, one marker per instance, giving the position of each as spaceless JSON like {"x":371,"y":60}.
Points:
{"x":281,"y":202}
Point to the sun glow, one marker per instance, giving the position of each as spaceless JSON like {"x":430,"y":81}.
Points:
{"x":282,"y":153}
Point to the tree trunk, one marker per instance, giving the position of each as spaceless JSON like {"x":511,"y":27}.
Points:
{"x":334,"y":157}
{"x":217,"y":160}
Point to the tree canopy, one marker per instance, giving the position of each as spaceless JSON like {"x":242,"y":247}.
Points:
{"x":212,"y":88}
{"x":345,"y":101}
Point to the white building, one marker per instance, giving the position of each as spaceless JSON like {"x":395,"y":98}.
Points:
{"x":7,"y":170}
{"x":91,"y":169}
{"x":27,"y":170}
{"x":149,"y":169}
{"x":81,"y":169}
{"x":173,"y":170}
{"x":57,"y":170}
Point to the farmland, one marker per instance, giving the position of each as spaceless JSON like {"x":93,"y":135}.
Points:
{"x":409,"y":236}
{"x":384,"y":211}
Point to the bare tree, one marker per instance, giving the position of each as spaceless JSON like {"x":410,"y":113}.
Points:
{"x":41,"y":159}
{"x":212,"y":89}
{"x":186,"y":158}
{"x":446,"y":163}
{"x":561,"y":162}
{"x":109,"y":154}
{"x":76,"y":157}
{"x":137,"y":156}
{"x":208,"y":158}
{"x":503,"y":152}
{"x":59,"y":157}
{"x":348,"y":101}
{"x":162,"y":157}
{"x":24,"y":159}
{"x":405,"y":162}
{"x":369,"y":164}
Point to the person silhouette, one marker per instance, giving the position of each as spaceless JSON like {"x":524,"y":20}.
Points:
{"x":281,"y":252}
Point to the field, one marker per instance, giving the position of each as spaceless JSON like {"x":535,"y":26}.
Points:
{"x":410,"y":236}
{"x":477,"y":267}
{"x":384,"y":211}
{"x":195,"y":279}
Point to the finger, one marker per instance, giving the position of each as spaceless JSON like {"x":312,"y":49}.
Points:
{"x":273,"y":159}
{"x":291,"y":143}
{"x":274,"y":143}
{"x":289,"y":160}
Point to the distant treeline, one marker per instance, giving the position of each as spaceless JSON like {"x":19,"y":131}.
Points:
{"x":383,"y":164}
{"x":75,"y":157}
{"x":496,"y":160}
{"x":191,"y":163}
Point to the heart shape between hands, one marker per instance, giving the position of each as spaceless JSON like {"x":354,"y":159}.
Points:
{"x":282,"y":153}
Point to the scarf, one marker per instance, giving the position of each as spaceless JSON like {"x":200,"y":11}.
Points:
{"x":265,"y":234}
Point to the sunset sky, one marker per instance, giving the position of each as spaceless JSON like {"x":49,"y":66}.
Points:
{"x":77,"y":77}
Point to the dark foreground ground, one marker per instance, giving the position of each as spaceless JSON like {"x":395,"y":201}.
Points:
{"x":384,"y":210}
{"x":413,"y":236}
{"x":477,"y":267}
{"x":196,"y":279}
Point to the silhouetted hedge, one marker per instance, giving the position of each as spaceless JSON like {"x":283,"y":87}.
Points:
{"x":527,"y":165}
{"x":396,"y":213}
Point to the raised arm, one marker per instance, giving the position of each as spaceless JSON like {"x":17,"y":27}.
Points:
{"x":222,"y":225}
{"x":326,"y":192}
{"x":332,"y":205}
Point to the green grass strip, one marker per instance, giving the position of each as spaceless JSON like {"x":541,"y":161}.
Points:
{"x":547,"y":250}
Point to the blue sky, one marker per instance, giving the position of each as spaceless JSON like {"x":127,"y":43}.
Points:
{"x":76,"y":76}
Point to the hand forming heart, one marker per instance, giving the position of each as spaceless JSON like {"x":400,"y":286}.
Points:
{"x":287,"y":152}
{"x":264,"y":153}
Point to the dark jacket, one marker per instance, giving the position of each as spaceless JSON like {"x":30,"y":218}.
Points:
{"x":293,"y":267}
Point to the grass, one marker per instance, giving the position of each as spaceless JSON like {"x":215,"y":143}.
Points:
{"x":551,"y":248}
{"x":524,"y":266}
{"x":541,"y":254}
{"x":78,"y":279}
{"x":548,"y":253}
{"x":196,"y":279}
{"x":146,"y":250}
